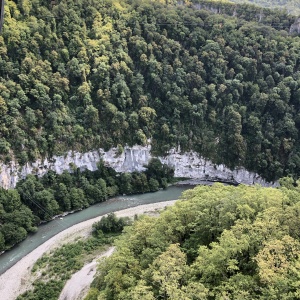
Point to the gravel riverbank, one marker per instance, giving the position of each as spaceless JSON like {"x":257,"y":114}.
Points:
{"x":18,"y":279}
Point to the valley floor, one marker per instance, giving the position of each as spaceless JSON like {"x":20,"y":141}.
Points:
{"x":18,"y":278}
{"x":77,"y":287}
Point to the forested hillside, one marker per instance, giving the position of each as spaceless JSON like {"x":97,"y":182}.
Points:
{"x":219,"y":242}
{"x":292,"y":6}
{"x":85,"y":74}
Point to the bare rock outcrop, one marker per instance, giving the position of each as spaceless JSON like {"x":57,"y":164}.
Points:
{"x":188,"y":164}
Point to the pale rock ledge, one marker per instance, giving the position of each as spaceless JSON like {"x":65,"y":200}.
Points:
{"x":189,"y":165}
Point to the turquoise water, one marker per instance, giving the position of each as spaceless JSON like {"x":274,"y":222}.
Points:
{"x":48,"y":230}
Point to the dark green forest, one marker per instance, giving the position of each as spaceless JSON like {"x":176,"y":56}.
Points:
{"x":37,"y":200}
{"x":219,"y":242}
{"x":85,"y":74}
{"x":291,"y":6}
{"x":218,"y":78}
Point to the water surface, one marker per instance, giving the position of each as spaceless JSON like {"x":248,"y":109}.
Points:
{"x":48,"y":230}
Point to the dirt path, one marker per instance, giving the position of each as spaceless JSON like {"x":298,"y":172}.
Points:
{"x":18,"y":278}
{"x":78,"y":285}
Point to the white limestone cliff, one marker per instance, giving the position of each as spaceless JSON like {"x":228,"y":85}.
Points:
{"x":295,"y":27}
{"x":189,"y":165}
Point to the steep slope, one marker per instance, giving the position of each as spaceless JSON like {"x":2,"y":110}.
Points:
{"x":87,"y":74}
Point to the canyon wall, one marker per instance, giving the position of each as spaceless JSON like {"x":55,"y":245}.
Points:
{"x":295,"y":28}
{"x":189,"y":165}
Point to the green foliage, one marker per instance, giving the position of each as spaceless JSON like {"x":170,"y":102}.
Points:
{"x":44,"y":290}
{"x":217,"y":242}
{"x":158,"y":171}
{"x":96,"y":74}
{"x":111,"y":224}
{"x":53,"y":270}
{"x":16,"y":219}
{"x":88,"y":74}
{"x":92,"y":294}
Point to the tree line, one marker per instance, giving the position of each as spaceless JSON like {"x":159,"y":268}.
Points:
{"x":37,"y":200}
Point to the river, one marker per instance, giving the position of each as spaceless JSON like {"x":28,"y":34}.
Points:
{"x":48,"y":230}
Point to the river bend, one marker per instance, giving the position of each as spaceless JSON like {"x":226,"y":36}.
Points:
{"x":50,"y":229}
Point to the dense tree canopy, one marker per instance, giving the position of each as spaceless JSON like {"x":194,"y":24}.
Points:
{"x":86,"y":74}
{"x":37,"y":200}
{"x":215,"y":77}
{"x":219,"y":242}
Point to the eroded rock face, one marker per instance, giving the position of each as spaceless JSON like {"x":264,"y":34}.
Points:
{"x":295,"y":28}
{"x":189,"y":165}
